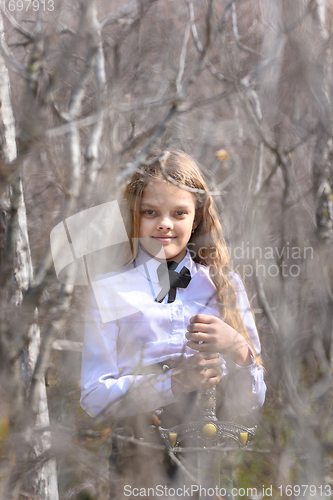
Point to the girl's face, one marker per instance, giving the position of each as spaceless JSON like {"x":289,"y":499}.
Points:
{"x":166,"y":218}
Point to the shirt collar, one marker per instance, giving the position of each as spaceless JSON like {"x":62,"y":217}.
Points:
{"x":147,"y":265}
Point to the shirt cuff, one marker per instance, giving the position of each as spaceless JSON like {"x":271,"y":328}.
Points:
{"x":245,"y":367}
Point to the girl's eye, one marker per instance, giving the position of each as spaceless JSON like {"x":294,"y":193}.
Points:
{"x":148,"y":212}
{"x":180,"y":213}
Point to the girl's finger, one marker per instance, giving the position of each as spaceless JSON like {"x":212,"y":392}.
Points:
{"x":198,"y":327}
{"x":209,"y":373}
{"x":210,"y":363}
{"x":204,"y":347}
{"x":202,"y":318}
{"x":213,"y":381}
{"x":209,"y":355}
{"x":210,"y":382}
{"x":197,"y":336}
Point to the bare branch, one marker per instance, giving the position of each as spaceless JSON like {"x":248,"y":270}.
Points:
{"x":16,"y":25}
{"x":48,"y":338}
{"x":122,"y":15}
{"x":182,"y":58}
{"x":236,"y":34}
{"x":266,"y":307}
{"x":180,"y":464}
{"x":12,"y":61}
{"x":78,"y":93}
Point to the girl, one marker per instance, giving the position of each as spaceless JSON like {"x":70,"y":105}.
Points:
{"x":174,"y":319}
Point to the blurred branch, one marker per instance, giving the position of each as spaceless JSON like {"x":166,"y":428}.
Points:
{"x":64,"y":29}
{"x":236,"y":34}
{"x":265,"y":305}
{"x":182,"y":58}
{"x":66,"y":128}
{"x":309,"y":133}
{"x":193,"y":27}
{"x":135,"y":9}
{"x":17,"y":67}
{"x":182,"y":467}
{"x":97,"y":128}
{"x":48,"y":337}
{"x":67,"y":345}
{"x":224,"y":16}
{"x":16,"y":25}
{"x":258,"y":185}
{"x":200,"y":47}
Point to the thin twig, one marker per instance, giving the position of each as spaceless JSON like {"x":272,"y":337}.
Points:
{"x":265,"y":305}
{"x":236,"y":34}
{"x":133,"y":9}
{"x":17,"y":67}
{"x":182,"y":467}
{"x":15,"y":24}
{"x":182,"y":58}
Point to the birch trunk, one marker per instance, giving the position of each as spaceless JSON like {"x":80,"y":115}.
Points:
{"x":44,"y":482}
{"x":323,"y":154}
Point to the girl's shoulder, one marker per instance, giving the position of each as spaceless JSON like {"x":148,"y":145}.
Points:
{"x":236,"y":281}
{"x":203,"y":271}
{"x":113,"y":274}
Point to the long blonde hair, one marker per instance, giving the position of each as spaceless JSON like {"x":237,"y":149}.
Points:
{"x":207,"y":244}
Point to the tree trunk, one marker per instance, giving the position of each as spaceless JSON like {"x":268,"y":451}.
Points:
{"x":323,"y":155}
{"x":43,"y":483}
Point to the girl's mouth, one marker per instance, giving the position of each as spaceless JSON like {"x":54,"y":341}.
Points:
{"x":164,"y":239}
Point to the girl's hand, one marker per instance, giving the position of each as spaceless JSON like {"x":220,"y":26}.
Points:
{"x":208,"y":333}
{"x":197,"y":372}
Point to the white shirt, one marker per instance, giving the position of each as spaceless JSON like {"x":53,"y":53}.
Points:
{"x":127,"y":330}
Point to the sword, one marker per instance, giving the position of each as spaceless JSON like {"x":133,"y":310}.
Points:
{"x":211,"y":436}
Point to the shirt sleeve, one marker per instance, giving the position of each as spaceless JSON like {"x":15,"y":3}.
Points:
{"x":103,"y":386}
{"x":245,"y":388}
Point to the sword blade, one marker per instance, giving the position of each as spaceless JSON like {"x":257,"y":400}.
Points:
{"x":208,"y":472}
{"x":208,"y":461}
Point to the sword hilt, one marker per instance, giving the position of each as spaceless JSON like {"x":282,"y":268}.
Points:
{"x":207,"y":404}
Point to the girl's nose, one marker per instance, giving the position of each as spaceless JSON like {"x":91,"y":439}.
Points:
{"x":164,"y":223}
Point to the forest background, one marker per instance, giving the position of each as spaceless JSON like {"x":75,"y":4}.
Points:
{"x":88,"y":89}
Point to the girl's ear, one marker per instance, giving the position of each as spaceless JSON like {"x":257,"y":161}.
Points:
{"x":197,"y":219}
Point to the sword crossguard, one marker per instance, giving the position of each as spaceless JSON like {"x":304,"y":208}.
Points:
{"x":213,"y":433}
{"x":208,"y":430}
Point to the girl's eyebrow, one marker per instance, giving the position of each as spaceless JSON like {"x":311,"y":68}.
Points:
{"x":183,"y":207}
{"x":147,"y":204}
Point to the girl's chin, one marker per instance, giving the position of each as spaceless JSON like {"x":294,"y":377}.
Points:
{"x":154,"y":248}
{"x":161,"y":251}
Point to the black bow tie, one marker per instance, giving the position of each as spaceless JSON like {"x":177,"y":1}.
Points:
{"x":170,"y":280}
